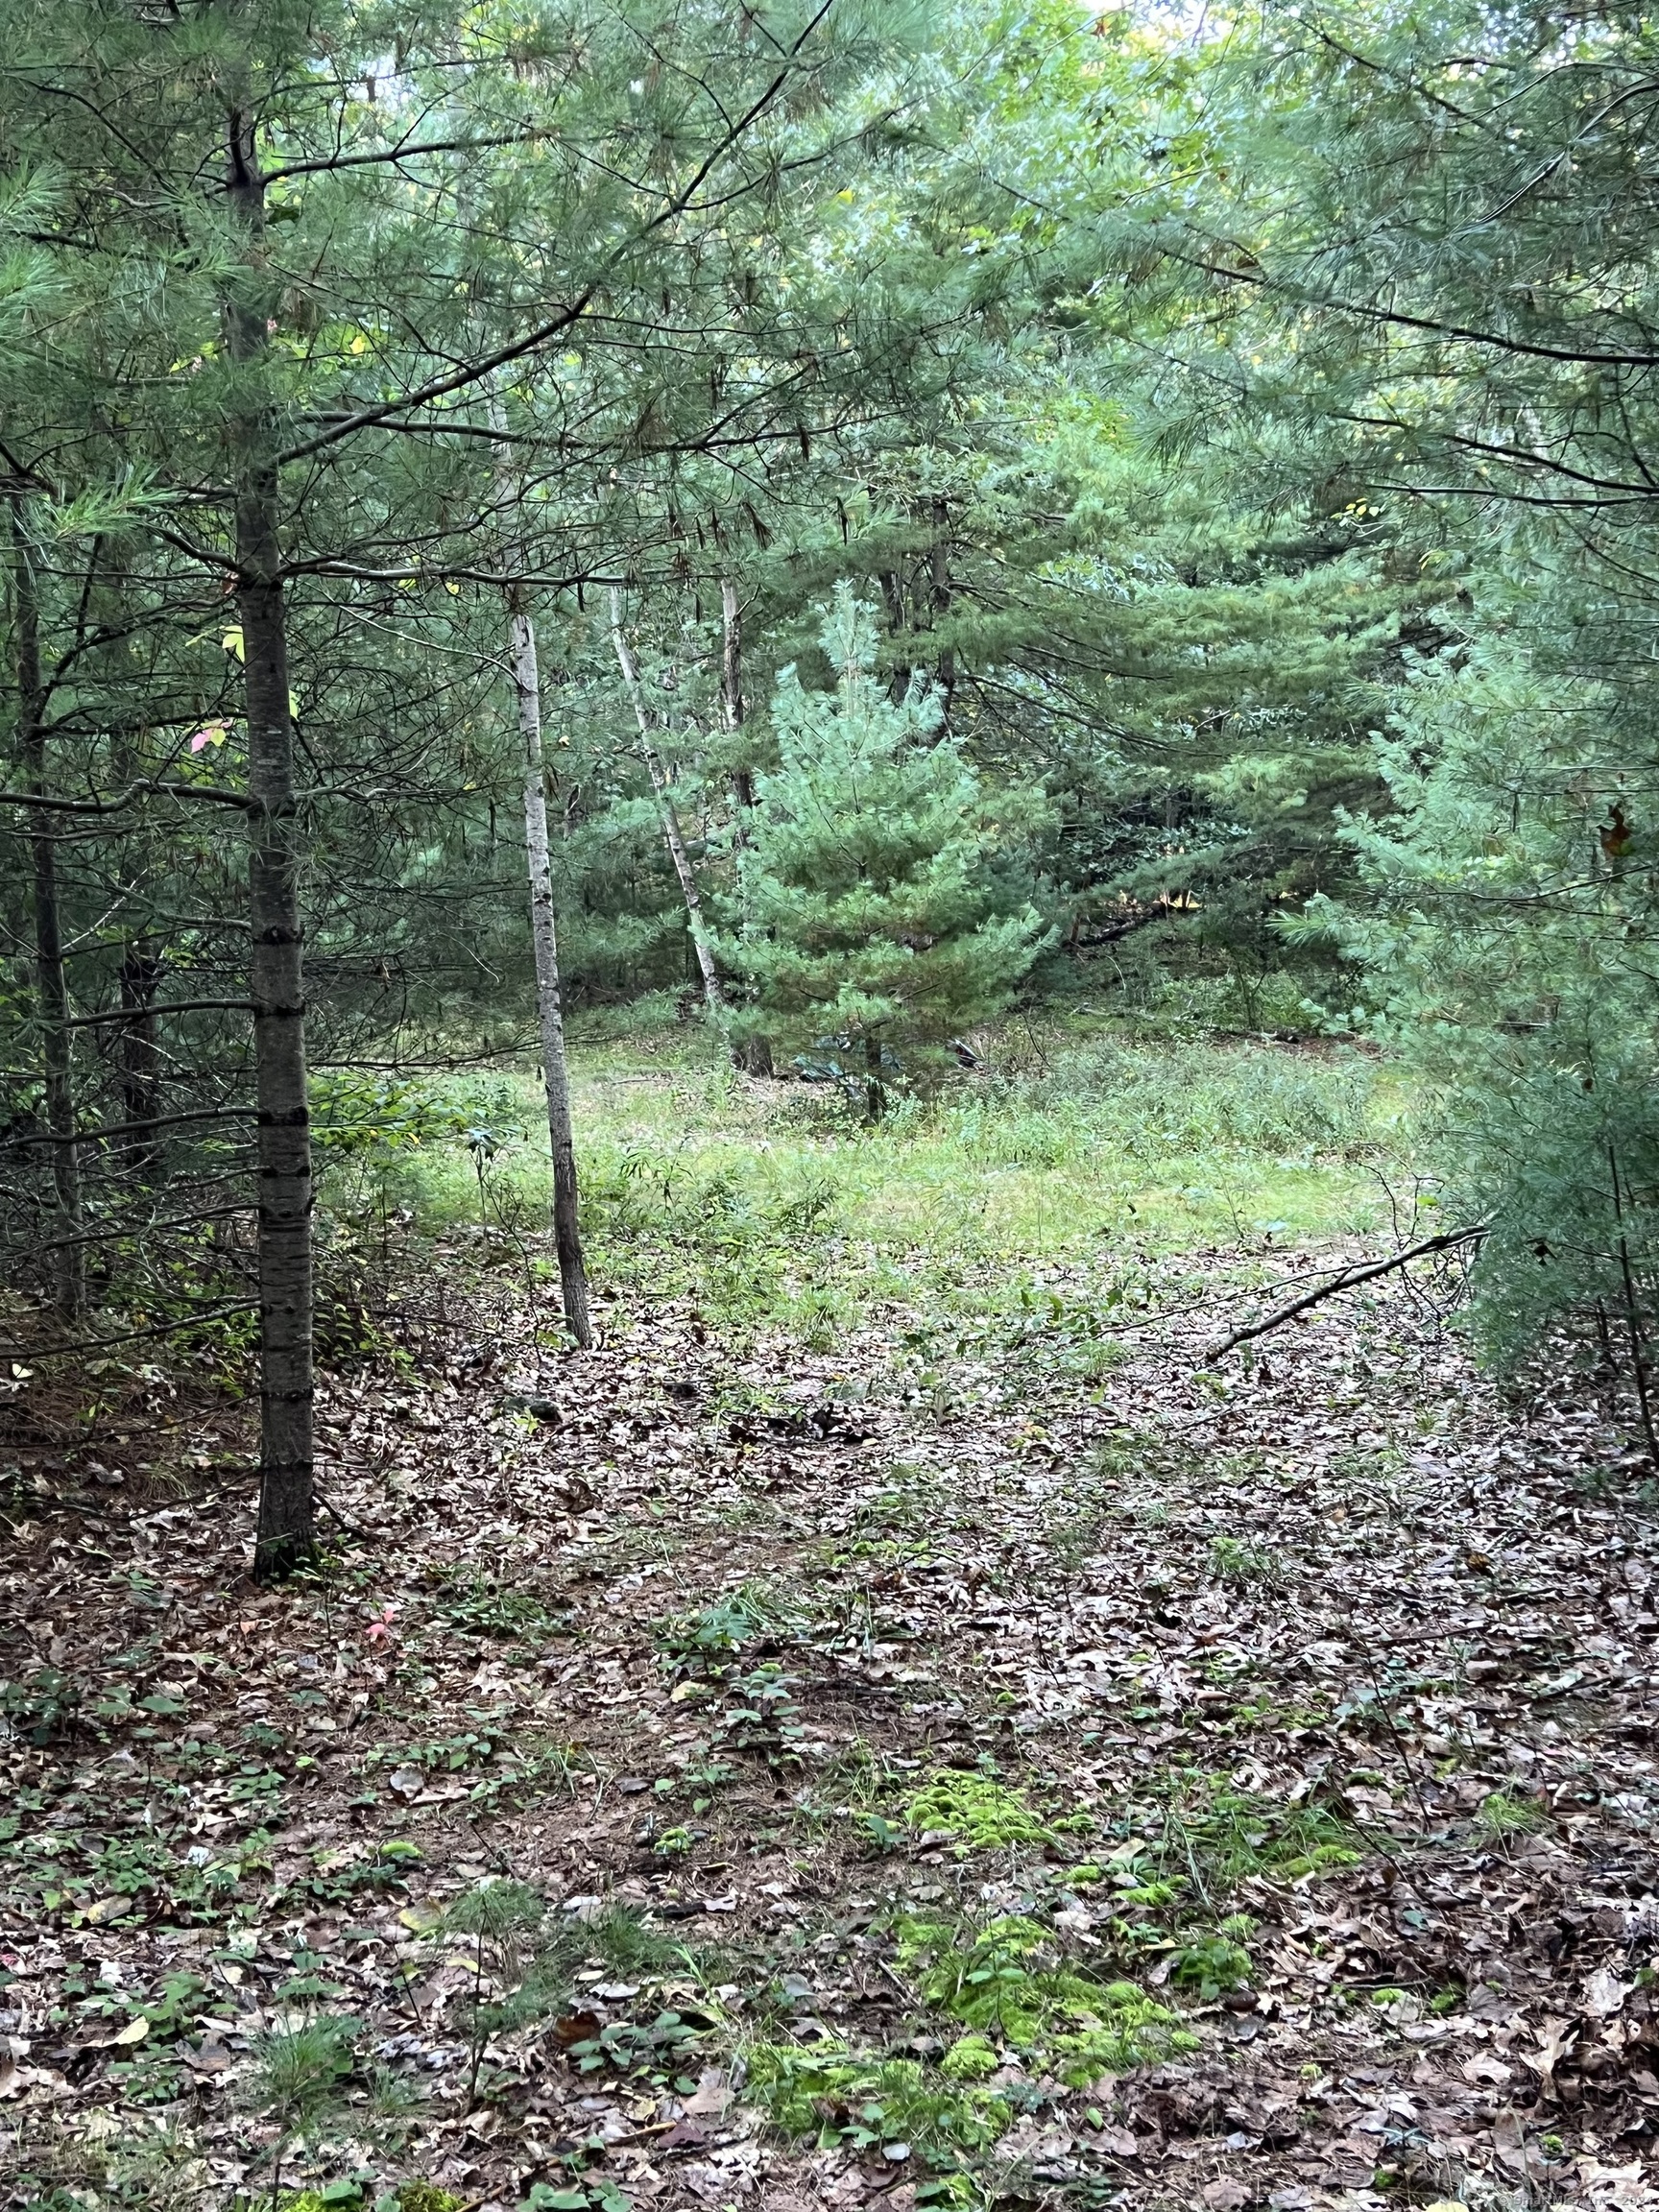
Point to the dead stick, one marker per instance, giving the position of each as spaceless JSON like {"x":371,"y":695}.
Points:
{"x":1346,"y":1282}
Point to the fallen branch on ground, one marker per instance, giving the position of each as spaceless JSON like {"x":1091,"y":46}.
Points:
{"x":1346,"y":1281}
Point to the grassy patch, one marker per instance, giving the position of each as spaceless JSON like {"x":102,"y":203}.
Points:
{"x":767,"y":1205}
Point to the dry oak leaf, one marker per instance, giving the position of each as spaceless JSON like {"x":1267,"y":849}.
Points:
{"x":1225,"y":2194}
{"x":1604,"y":1993}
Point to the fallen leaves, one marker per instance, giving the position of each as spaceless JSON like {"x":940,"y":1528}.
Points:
{"x":1363,"y":1586}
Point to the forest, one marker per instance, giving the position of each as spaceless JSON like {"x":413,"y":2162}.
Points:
{"x":829,"y":1106}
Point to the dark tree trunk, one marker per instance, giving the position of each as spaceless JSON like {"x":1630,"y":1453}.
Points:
{"x":287,"y":1532}
{"x":944,"y":667}
{"x":137,"y":1044}
{"x":893,"y":599}
{"x":139,"y":1055}
{"x":69,"y":1253}
{"x":875,"y":1097}
{"x":754,"y":1054}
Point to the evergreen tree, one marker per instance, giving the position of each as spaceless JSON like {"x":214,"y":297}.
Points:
{"x":885,"y":897}
{"x":1507,"y":935}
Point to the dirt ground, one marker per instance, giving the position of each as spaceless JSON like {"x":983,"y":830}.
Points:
{"x":1347,"y":1644}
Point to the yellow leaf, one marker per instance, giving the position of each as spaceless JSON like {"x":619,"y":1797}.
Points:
{"x":419,"y":1918}
{"x":293,"y":706}
{"x":359,"y":343}
{"x":105,"y":1910}
{"x":232,"y":641}
{"x":134,"y":2031}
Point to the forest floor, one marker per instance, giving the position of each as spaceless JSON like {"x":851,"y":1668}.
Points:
{"x":980,"y":1755}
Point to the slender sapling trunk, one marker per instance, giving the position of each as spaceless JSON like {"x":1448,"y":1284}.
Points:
{"x":755,"y":1054}
{"x":287,"y":1534}
{"x":556,"y":1074}
{"x":875,"y":1096}
{"x":140,"y":1055}
{"x":945,"y":666}
{"x":712,"y":991}
{"x":68,"y":1252}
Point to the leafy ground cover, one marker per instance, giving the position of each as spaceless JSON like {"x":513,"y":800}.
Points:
{"x":984,"y":1751}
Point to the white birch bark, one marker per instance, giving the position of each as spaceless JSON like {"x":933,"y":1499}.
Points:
{"x":545,"y":940}
{"x":712,"y":992}
{"x":556,"y":1073}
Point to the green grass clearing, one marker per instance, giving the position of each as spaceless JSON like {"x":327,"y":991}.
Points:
{"x":766,"y":1202}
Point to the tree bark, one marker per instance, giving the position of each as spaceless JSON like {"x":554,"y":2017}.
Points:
{"x":137,"y":1045}
{"x":712,"y":990}
{"x":139,"y":1055}
{"x":287,"y":1526}
{"x":893,"y":599}
{"x":732,"y":661}
{"x":946,"y":666}
{"x":753,"y":1055}
{"x":556,"y":1074}
{"x":68,"y":1252}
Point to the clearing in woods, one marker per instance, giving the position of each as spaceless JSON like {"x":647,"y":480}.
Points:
{"x":900,"y":1723}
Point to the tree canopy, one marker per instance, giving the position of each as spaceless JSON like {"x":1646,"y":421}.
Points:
{"x":1223,"y":449}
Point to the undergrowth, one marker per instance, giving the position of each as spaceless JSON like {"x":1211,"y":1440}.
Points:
{"x":1007,"y":1982}
{"x":768,"y":1205}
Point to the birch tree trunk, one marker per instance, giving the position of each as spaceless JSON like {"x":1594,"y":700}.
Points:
{"x":712,"y":992}
{"x":286,"y":1533}
{"x":68,"y":1252}
{"x":556,"y":1074}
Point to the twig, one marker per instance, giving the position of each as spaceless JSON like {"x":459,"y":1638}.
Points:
{"x":350,"y":1526}
{"x":1389,"y":1720}
{"x":1346,"y":1281}
{"x":908,"y":1994}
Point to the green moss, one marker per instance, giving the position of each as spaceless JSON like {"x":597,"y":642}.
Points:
{"x":1006,"y":1982}
{"x":837,"y":2095}
{"x":979,"y":1814}
{"x":970,"y":2059}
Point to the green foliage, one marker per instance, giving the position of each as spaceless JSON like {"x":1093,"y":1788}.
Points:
{"x":1237,"y":1559}
{"x":298,"y":2079}
{"x":1006,"y":1980}
{"x":478,"y":1602}
{"x":977,"y":1813}
{"x":44,"y":1707}
{"x":595,"y":2194}
{"x":879,"y":882}
{"x":832,"y":2096}
{"x":1215,"y":1836}
{"x":703,"y":1641}
{"x":1502,"y":1814}
{"x":1507,"y":955}
{"x":1213,"y":1963}
{"x":299,"y":2071}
